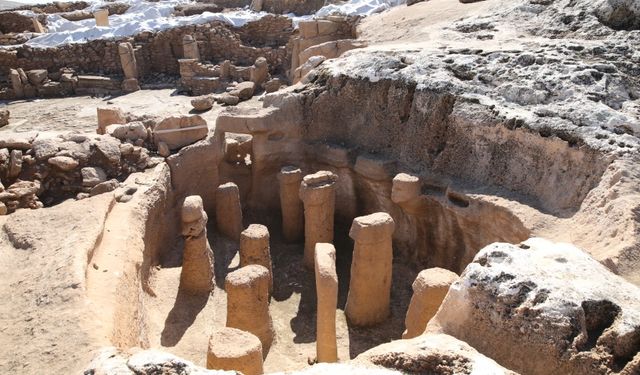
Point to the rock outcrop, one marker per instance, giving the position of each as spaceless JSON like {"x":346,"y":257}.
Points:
{"x":544,"y":308}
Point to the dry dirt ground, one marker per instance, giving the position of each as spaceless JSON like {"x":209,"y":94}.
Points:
{"x":78,"y":114}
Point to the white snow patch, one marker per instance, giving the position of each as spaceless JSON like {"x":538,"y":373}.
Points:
{"x":156,"y":16}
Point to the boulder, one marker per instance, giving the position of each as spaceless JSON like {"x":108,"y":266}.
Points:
{"x":131,"y":131}
{"x":259,"y":71}
{"x":21,"y":141}
{"x":109,"y":116}
{"x":21,"y":189}
{"x":64,"y":163}
{"x":145,"y":362}
{"x":92,"y":176}
{"x":109,"y":148}
{"x":272,"y":85}
{"x":45,"y":148}
{"x":244,"y":90}
{"x":202,"y":103}
{"x":4,"y":117}
{"x":544,"y":308}
{"x":104,"y":187}
{"x":179,"y":131}
{"x":163,"y":149}
{"x":37,"y":76}
{"x":227,"y":99}
{"x":431,"y":354}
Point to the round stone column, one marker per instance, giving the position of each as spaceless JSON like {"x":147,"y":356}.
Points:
{"x":429,"y":290}
{"x":197,"y":260}
{"x":248,"y":303}
{"x":254,"y":249}
{"x":232,"y":349}
{"x":318,"y":194}
{"x":290,"y":203}
{"x":371,"y":267}
{"x":229,"y":211}
{"x":327,"y":293}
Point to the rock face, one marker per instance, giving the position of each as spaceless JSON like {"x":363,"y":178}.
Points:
{"x":431,"y":354}
{"x":180,"y":131}
{"x":545,"y":308}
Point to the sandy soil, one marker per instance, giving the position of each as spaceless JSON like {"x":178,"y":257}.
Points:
{"x":78,"y":114}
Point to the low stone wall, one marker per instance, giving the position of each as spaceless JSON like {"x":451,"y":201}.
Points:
{"x":18,"y":22}
{"x":159,"y":52}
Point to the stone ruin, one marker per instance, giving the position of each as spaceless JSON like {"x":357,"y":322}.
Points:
{"x":273,"y":197}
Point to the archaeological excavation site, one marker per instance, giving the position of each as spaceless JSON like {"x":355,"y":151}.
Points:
{"x":252,"y":187}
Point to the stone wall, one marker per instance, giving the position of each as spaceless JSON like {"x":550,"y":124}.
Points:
{"x":18,"y":22}
{"x":159,"y":52}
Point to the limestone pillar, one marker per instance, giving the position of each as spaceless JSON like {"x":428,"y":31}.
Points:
{"x":318,"y":194}
{"x":197,"y":261}
{"x":405,"y":188}
{"x":190,"y":48}
{"x":129,"y":67}
{"x":370,"y":286}
{"x":232,"y":349}
{"x":327,"y":293}
{"x":254,"y":249}
{"x":37,"y":26}
{"x":225,"y":69}
{"x":229,"y":211}
{"x":248,"y":303}
{"x":102,"y":17}
{"x":429,"y":290}
{"x":256,"y":5}
{"x":16,"y":84}
{"x":290,"y":203}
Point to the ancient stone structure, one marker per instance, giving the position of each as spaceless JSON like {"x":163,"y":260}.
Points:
{"x":248,"y":303}
{"x":327,"y":294}
{"x":102,"y":17}
{"x":235,"y":350}
{"x":179,"y":131}
{"x":429,"y":289}
{"x":405,"y":188}
{"x":197,"y":259}
{"x":190,"y":48}
{"x":229,"y":211}
{"x":317,"y":191}
{"x":291,"y":206}
{"x":254,"y":249}
{"x":370,"y":286}
{"x":129,"y":67}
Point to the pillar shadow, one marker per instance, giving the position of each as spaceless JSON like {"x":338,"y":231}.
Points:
{"x":185,"y":309}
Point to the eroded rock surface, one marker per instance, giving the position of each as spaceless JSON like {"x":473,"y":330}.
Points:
{"x":541,"y":308}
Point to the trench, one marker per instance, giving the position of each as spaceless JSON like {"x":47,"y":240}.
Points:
{"x":444,"y":226}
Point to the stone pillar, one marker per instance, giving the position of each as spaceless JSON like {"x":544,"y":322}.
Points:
{"x":197,"y":261}
{"x":232,"y":349}
{"x":102,"y":17}
{"x":254,"y":249}
{"x":327,"y":292}
{"x":129,"y":67}
{"x":225,"y":69}
{"x":259,"y":72}
{"x":405,"y":188}
{"x":190,"y":48}
{"x":317,"y":191}
{"x":256,"y":5}
{"x":290,"y":203}
{"x":37,"y":26}
{"x":229,"y":211}
{"x":248,"y":303}
{"x":16,"y":84}
{"x":370,"y":286}
{"x":429,"y":290}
